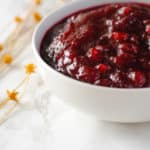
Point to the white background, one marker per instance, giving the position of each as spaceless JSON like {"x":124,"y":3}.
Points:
{"x":44,"y":123}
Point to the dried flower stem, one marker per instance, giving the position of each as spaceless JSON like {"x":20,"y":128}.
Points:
{"x":5,"y":116}
{"x":16,"y":41}
{"x":25,"y":87}
{"x":4,"y":103}
{"x":22,"y":82}
{"x":13,"y":46}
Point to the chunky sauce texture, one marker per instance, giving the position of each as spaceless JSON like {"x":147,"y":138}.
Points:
{"x":107,"y":46}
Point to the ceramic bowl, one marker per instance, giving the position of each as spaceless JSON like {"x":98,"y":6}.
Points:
{"x":109,"y":104}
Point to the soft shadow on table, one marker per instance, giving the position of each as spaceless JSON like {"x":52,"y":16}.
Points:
{"x":76,"y":131}
{"x":122,"y":136}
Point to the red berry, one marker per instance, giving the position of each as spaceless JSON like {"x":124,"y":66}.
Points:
{"x":103,"y":68}
{"x":106,"y":82}
{"x":128,"y":48}
{"x":69,"y":29}
{"x":124,"y":10}
{"x":138,"y":78}
{"x":124,"y":60}
{"x":103,"y":48}
{"x":135,"y":39}
{"x":145,"y":63}
{"x":119,"y":79}
{"x":147,"y":21}
{"x":87,"y":74}
{"x":72,"y":68}
{"x":120,"y":36}
{"x":147,"y":30}
{"x":68,"y":56}
{"x":94,"y":54}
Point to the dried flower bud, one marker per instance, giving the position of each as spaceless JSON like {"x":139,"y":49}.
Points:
{"x":18,"y":19}
{"x":7,"y":59}
{"x":1,"y":47}
{"x":30,"y":68}
{"x":12,"y":95}
{"x":37,"y":16}
{"x":38,"y":2}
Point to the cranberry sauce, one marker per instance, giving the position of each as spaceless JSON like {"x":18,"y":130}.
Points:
{"x":107,"y":46}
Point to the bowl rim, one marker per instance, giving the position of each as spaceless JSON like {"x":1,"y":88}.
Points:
{"x":36,"y":50}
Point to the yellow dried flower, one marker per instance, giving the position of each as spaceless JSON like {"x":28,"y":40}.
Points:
{"x":18,"y":19}
{"x":1,"y":47}
{"x":12,"y":95}
{"x":38,"y":2}
{"x":30,"y":68}
{"x":7,"y":58}
{"x":37,"y":16}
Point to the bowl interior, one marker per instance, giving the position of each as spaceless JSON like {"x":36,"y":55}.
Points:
{"x":68,"y":9}
{"x":58,"y":15}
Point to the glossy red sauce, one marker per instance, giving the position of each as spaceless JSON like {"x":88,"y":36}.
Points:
{"x":107,"y":46}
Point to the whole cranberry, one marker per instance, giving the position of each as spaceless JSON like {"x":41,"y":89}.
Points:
{"x":147,"y":21}
{"x":87,"y":74}
{"x":105,"y":82}
{"x":95,"y":55}
{"x":147,"y":30}
{"x":130,"y":24}
{"x":145,"y":63}
{"x":138,"y":78}
{"x":120,"y":36}
{"x":135,"y":39}
{"x":65,"y":57}
{"x":103,"y":68}
{"x":119,"y":79}
{"x":124,"y":10}
{"x":103,"y":48}
{"x":69,"y":29}
{"x":124,"y":60}
{"x":128,"y":48}
{"x":72,"y":68}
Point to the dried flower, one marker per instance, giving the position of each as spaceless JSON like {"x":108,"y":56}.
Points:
{"x":38,"y":2}
{"x":37,"y":16}
{"x":30,"y":68}
{"x":12,"y":95}
{"x":7,"y":59}
{"x":18,"y":19}
{"x":1,"y":47}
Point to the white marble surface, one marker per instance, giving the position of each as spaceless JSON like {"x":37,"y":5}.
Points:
{"x":42,"y":122}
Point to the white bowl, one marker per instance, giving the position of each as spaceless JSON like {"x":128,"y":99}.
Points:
{"x":110,"y":104}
